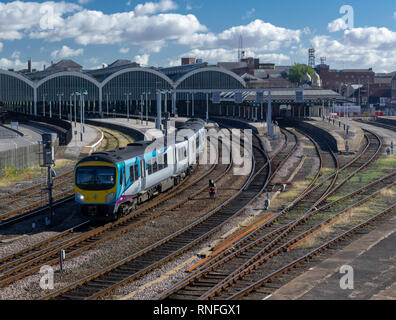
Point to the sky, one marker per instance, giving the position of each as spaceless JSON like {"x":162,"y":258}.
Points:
{"x":350,"y":34}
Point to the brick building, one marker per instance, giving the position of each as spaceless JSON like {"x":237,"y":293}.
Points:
{"x":335,"y":79}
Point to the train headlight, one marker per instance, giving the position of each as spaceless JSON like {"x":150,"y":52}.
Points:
{"x":110,"y":197}
{"x":80,"y":196}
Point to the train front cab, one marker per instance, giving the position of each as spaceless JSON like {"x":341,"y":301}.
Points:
{"x":96,"y":187}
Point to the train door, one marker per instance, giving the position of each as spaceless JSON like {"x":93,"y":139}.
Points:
{"x":142,"y":174}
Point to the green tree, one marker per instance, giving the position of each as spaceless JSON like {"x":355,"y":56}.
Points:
{"x":298,"y":71}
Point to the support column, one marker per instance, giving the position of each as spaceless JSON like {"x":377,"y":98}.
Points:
{"x":100,"y":102}
{"x":192,"y":105}
{"x":35,"y":101}
{"x":269,"y":116}
{"x":207,"y":107}
{"x":174,"y":103}
{"x":159,"y":120}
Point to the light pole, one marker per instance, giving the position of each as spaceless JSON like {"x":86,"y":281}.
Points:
{"x":107,"y":99}
{"x":192,"y":104}
{"x":128,"y":95}
{"x":188,"y":103}
{"x":75,"y":108}
{"x":81,"y":94}
{"x":44,"y":95}
{"x":147,"y":94}
{"x":60,"y":95}
{"x":141,"y":108}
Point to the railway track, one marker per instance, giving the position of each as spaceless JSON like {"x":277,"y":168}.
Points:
{"x":28,"y":261}
{"x":131,"y":267}
{"x":216,"y":277}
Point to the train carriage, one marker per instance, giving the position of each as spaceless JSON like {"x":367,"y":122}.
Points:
{"x":111,"y":184}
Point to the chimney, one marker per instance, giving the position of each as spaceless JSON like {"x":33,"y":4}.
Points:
{"x":44,"y":68}
{"x":30,"y":65}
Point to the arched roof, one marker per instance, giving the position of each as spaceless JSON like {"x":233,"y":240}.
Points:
{"x":216,"y":69}
{"x":68,"y":73}
{"x":137,"y":69}
{"x":18,"y":76}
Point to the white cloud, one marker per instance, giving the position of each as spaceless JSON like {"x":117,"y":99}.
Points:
{"x":337,"y":25}
{"x":142,"y":59}
{"x":124,"y":50}
{"x":257,"y":35}
{"x":17,"y":18}
{"x":360,"y":48}
{"x":151,"y":7}
{"x":148,"y":26}
{"x":66,"y":52}
{"x":17,"y":64}
{"x":16,"y":55}
{"x":1,"y":46}
{"x":150,"y":32}
{"x":84,"y":1}
{"x":249,"y":13}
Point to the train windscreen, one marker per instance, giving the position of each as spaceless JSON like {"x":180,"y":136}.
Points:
{"x":95,"y":178}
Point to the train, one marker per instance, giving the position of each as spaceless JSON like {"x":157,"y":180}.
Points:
{"x":111,"y":184}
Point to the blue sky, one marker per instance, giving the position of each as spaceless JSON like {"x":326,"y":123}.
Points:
{"x":159,"y":32}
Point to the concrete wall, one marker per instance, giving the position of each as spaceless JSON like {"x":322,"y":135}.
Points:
{"x":21,"y":158}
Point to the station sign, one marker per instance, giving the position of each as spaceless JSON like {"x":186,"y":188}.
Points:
{"x":216,"y":97}
{"x":238,"y":97}
{"x":260,"y":97}
{"x":299,"y":96}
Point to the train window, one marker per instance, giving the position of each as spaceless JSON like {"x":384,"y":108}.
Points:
{"x":197,"y":142}
{"x":185,"y":152}
{"x":155,"y":166}
{"x":165,"y":160}
{"x":150,"y":166}
{"x":134,"y":173}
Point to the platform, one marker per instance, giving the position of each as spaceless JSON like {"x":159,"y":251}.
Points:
{"x":148,"y":130}
{"x":355,"y":135}
{"x":28,"y":135}
{"x":373,"y":259}
{"x":92,"y":138}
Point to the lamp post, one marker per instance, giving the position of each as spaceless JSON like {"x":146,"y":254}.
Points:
{"x":128,"y":95}
{"x":75,"y":108}
{"x":188,"y":103}
{"x":60,"y":95}
{"x":107,"y":102}
{"x":141,"y":108}
{"x":147,"y":94}
{"x":44,"y":95}
{"x":81,"y":94}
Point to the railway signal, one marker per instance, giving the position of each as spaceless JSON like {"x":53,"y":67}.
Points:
{"x":48,"y":162}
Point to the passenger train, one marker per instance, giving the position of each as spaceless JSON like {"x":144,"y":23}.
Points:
{"x":111,"y":184}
